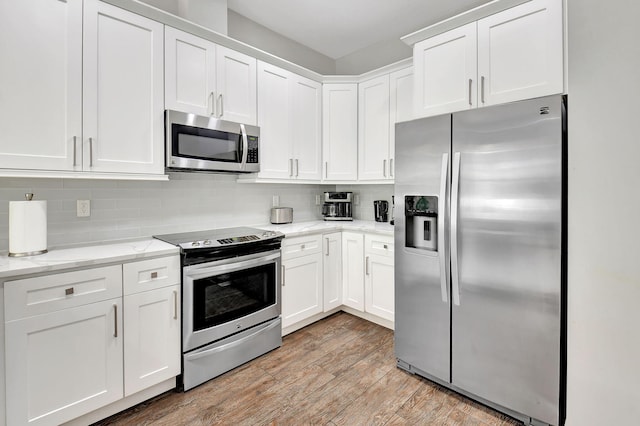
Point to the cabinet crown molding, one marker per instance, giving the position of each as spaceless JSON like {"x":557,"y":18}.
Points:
{"x":461,"y":19}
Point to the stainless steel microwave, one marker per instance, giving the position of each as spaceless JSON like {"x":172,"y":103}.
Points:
{"x":208,"y":144}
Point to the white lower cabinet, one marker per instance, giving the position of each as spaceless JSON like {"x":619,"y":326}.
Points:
{"x":152,"y":338}
{"x":75,"y":344}
{"x":332,"y":270}
{"x":353,"y":270}
{"x":301,"y":278}
{"x":379,"y":276}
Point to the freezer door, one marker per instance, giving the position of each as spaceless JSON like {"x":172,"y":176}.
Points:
{"x":506,"y":255}
{"x":422,"y":310}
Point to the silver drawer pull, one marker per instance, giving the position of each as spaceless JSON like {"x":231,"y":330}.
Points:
{"x":302,"y":247}
{"x":154,"y":275}
{"x":68,"y":291}
{"x":175,"y":305}
{"x":115,"y":320}
{"x":385,"y":247}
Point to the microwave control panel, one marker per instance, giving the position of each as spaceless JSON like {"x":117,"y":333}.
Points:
{"x":252,"y":151}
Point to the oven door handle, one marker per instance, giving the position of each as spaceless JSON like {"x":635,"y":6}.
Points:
{"x":206,"y":352}
{"x":197,"y":273}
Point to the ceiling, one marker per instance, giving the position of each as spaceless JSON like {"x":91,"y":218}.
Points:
{"x":337,"y":28}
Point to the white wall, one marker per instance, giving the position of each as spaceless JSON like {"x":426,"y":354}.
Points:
{"x":604,"y":219}
{"x":211,"y":14}
{"x":126,"y":209}
{"x":373,"y":57}
{"x":256,"y":35}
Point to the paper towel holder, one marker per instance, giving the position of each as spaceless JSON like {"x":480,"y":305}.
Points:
{"x":40,"y":250}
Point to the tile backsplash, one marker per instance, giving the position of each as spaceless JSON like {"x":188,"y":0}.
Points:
{"x":187,"y":202}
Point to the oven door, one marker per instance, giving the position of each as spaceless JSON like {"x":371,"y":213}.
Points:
{"x":227,"y":296}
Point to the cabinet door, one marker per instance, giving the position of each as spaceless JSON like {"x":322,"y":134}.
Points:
{"x":332,"y":267}
{"x":445,"y":69}
{"x":301,"y":288}
{"x":189,"y":73}
{"x":400,"y":107}
{"x":373,"y":129}
{"x":340,"y":131}
{"x":64,"y":364}
{"x":353,"y":270}
{"x":520,"y":52}
{"x":123,"y":96}
{"x":306,"y":103}
{"x":152,"y":351}
{"x":41,"y":94}
{"x":379,"y":276}
{"x":276,"y":157}
{"x":236,"y":82}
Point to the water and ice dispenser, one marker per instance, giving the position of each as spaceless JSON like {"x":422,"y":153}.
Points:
{"x":421,"y":218}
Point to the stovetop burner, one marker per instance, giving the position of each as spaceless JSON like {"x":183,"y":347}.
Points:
{"x":216,"y":238}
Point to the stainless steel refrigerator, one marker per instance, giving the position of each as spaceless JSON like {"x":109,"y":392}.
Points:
{"x":480,"y":251}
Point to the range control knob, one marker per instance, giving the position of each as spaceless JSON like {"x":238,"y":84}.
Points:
{"x":195,"y":244}
{"x":206,"y":242}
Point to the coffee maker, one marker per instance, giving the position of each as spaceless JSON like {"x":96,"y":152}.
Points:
{"x":381,"y":210}
{"x":337,"y":206}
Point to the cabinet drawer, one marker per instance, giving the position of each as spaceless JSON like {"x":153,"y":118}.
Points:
{"x":301,"y":246}
{"x":151,"y":274}
{"x":378,"y":244}
{"x":49,"y":293}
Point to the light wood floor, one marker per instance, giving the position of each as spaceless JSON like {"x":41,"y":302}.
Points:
{"x":339,"y":371}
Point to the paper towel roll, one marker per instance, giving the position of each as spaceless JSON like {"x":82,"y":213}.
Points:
{"x":27,"y":228}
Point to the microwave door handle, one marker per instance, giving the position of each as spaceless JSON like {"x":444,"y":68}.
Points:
{"x":245,"y":147}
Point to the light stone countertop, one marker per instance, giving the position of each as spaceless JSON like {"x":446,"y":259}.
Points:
{"x":320,"y":226}
{"x":84,"y":256}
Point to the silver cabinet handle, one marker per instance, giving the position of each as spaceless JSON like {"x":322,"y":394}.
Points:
{"x":154,"y":275}
{"x":75,"y":138}
{"x":384,"y":168}
{"x":442,"y":203}
{"x":326,"y":170}
{"x":391,"y":167}
{"x":297,"y":168}
{"x":68,"y":291}
{"x":454,"y":229}
{"x":366,"y":265}
{"x":327,"y":239}
{"x":90,"y":152}
{"x":221,"y":99}
{"x":282,"y":274}
{"x":290,"y":167}
{"x":212,"y":99}
{"x":115,"y":320}
{"x":482,"y":89}
{"x":175,"y":305}
{"x":470,"y":86}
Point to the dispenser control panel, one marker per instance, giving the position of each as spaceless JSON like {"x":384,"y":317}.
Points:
{"x":421,"y":218}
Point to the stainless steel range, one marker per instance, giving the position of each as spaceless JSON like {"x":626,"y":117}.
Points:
{"x":231,"y":300}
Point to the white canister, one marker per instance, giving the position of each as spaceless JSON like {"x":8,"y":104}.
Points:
{"x":27,"y":227}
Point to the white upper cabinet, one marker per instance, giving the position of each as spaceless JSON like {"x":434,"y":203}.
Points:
{"x":289,"y":108}
{"x":340,"y":131}
{"x":41,"y":94}
{"x":306,"y":128}
{"x":236,"y":86}
{"x":520,"y":52}
{"x":274,"y":119}
{"x":190,"y":73}
{"x":206,"y":79}
{"x":373,"y":129}
{"x":400,"y":107}
{"x":508,"y":56}
{"x":123,"y":96}
{"x":445,"y":72}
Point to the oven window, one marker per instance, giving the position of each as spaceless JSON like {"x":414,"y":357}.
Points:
{"x":231,"y":296}
{"x":206,"y":144}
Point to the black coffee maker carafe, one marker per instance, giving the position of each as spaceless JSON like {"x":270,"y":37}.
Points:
{"x":381,"y":210}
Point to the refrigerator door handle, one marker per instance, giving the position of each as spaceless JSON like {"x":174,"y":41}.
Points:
{"x":444,"y":175}
{"x":454,"y":229}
